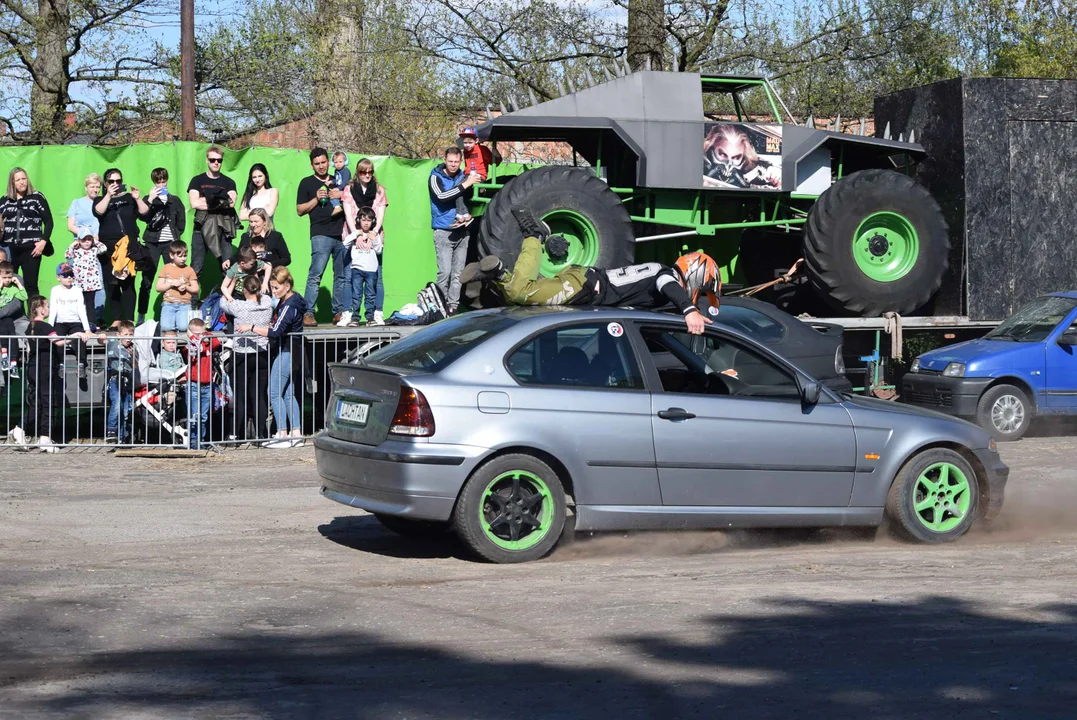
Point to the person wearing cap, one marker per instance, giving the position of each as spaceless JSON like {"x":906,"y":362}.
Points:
{"x":476,"y":159}
{"x":67,"y":313}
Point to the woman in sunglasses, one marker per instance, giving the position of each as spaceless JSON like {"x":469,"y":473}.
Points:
{"x":365,"y":192}
{"x":117,"y":209}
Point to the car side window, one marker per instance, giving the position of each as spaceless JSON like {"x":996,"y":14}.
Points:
{"x":711,"y":365}
{"x":593,"y":355}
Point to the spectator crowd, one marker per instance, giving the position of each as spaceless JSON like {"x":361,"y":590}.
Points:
{"x":125,"y":243}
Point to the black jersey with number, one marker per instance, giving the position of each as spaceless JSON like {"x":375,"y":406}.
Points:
{"x":649,"y":285}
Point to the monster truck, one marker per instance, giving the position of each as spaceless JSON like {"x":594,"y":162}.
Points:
{"x":658,"y":175}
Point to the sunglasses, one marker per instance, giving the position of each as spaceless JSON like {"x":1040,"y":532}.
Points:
{"x":214,"y":160}
{"x":367,"y":173}
{"x":114,"y":181}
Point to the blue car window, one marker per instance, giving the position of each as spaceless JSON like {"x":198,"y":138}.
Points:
{"x":592,"y":356}
{"x":1034,"y":321}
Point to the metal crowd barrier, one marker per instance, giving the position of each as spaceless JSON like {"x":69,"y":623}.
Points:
{"x":143,"y":404}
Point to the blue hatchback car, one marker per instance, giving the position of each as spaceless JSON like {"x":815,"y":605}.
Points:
{"x":1027,"y":366}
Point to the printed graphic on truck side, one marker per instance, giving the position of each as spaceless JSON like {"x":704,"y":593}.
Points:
{"x":742,"y":155}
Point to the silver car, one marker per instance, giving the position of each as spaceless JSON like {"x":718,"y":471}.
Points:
{"x":512,"y":426}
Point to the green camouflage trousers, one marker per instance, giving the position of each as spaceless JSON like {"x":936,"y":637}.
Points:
{"x":524,"y":287}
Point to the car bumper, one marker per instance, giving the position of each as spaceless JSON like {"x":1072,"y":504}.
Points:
{"x":997,"y":473}
{"x":951,"y":395}
{"x":413,"y":480}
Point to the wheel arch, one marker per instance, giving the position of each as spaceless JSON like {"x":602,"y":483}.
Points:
{"x":1017,"y":382}
{"x":964,"y":452}
{"x":555,"y":464}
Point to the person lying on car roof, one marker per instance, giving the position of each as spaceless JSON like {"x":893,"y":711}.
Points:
{"x":650,"y":285}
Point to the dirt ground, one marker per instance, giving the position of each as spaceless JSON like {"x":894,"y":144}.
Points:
{"x":228,"y":587}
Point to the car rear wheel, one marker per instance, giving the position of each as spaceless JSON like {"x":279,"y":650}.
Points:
{"x":934,"y":497}
{"x":511,"y":510}
{"x":417,"y":529}
{"x":1005,"y":412}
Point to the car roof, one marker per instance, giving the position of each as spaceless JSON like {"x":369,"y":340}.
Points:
{"x":534,"y":318}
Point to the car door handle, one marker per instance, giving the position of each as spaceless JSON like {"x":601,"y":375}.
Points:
{"x":675,"y":414}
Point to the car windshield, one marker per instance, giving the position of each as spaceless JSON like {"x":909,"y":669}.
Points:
{"x":1035,"y":321}
{"x":435,"y":347}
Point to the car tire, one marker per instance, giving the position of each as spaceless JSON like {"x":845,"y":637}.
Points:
{"x":1005,"y":411}
{"x":876,"y":242}
{"x":410,"y":528}
{"x":935,"y":497}
{"x":574,"y":203}
{"x":512,"y":496}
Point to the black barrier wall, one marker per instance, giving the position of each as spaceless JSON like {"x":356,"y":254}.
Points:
{"x":1002,"y":161}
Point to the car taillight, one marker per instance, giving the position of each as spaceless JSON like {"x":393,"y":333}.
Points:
{"x":413,"y":415}
{"x":839,"y":362}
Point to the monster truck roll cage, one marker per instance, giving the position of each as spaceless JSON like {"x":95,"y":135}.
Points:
{"x":616,"y":159}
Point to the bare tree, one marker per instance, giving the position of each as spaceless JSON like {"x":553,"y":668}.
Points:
{"x":55,"y":44}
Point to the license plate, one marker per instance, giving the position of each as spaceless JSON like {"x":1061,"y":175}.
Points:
{"x":354,"y":413}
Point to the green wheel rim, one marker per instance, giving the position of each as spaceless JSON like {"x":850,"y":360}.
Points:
{"x":885,"y":246}
{"x":516,"y":511}
{"x":582,"y":238}
{"x":942,"y":497}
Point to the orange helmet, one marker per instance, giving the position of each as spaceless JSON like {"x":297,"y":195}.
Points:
{"x":700,"y":274}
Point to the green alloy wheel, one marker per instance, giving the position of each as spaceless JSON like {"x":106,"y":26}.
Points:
{"x":885,"y":246}
{"x":582,"y":236}
{"x":511,"y":510}
{"x":934,"y":497}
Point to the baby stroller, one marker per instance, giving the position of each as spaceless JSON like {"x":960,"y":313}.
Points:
{"x":160,"y":403}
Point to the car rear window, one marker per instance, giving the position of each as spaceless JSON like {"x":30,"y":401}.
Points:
{"x":437,"y":346}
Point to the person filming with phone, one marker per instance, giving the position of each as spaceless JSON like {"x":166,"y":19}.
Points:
{"x":165,"y":221}
{"x":117,"y":209}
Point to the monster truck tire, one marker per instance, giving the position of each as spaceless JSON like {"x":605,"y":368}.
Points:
{"x":572,"y":201}
{"x":876,"y":242}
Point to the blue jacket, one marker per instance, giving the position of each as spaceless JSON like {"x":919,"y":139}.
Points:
{"x":443,"y":193}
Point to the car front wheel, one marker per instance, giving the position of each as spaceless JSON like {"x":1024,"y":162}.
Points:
{"x":511,"y":510}
{"x":934,"y":497}
{"x":1005,"y":412}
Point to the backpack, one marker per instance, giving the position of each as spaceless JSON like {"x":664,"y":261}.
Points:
{"x":431,"y":301}
{"x":211,"y":313}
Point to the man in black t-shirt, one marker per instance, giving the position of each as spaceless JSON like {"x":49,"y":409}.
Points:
{"x":213,"y":199}
{"x":326,"y":229}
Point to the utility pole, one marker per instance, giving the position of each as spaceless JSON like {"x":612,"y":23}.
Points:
{"x":187,"y":67}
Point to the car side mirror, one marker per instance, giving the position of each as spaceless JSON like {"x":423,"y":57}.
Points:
{"x":1068,"y":338}
{"x":810,"y":393}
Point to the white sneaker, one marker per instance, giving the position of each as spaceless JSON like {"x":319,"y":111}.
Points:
{"x":18,"y":435}
{"x":378,"y":318}
{"x":46,"y":444}
{"x":345,"y":318}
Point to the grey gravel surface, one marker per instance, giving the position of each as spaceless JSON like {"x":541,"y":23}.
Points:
{"x":228,"y":587}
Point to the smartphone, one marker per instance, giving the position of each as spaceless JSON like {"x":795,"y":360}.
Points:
{"x":163,"y":192}
{"x":121,"y":189}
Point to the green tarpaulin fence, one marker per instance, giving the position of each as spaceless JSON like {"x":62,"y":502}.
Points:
{"x":59,"y":172}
